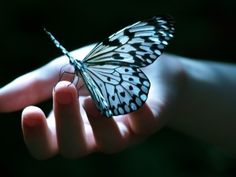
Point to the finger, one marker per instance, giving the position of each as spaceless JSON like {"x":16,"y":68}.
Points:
{"x":142,"y":122}
{"x":110,"y":135}
{"x":40,"y":141}
{"x":71,"y":132}
{"x":30,"y":88}
{"x":37,"y":85}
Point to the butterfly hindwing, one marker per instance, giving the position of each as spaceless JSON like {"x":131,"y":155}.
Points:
{"x":124,"y":88}
{"x":137,"y":45}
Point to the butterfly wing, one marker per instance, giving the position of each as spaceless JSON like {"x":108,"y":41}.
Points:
{"x":137,"y":45}
{"x":119,"y":85}
{"x":124,"y":88}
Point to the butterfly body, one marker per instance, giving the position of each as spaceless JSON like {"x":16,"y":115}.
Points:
{"x":111,"y":71}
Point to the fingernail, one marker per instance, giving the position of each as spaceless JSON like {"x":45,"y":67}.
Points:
{"x":31,"y":126}
{"x":64,"y":98}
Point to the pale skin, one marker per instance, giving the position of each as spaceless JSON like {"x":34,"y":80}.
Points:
{"x":192,"y":96}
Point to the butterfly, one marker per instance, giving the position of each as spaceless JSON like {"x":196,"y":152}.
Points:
{"x":111,"y":70}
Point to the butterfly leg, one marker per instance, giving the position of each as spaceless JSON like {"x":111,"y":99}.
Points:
{"x":74,"y":80}
{"x":63,"y":73}
{"x":79,"y":86}
{"x":78,"y":83}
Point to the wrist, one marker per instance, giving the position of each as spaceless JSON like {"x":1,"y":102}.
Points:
{"x":205,"y":108}
{"x":168,"y":78}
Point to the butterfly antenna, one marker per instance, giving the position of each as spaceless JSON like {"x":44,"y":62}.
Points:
{"x":58,"y":45}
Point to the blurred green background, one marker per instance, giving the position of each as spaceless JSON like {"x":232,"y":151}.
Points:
{"x":205,"y":29}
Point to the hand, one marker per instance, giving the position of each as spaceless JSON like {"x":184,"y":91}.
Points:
{"x":75,"y":127}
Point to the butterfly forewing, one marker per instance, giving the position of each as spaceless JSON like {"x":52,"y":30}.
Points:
{"x":113,"y":64}
{"x":137,"y":45}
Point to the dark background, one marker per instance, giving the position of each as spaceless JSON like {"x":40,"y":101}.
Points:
{"x":205,"y":29}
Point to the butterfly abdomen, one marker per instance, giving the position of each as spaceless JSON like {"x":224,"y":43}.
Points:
{"x":95,"y":93}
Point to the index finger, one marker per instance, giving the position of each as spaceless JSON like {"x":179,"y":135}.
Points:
{"x":35,"y":86}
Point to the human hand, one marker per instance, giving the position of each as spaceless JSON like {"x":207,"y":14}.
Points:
{"x":75,"y":127}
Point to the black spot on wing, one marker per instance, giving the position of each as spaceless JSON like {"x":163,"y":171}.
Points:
{"x":122,"y":94}
{"x":117,"y":56}
{"x":115,"y":42}
{"x":128,"y":33}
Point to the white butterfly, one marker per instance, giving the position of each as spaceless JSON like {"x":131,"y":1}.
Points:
{"x":111,"y":71}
